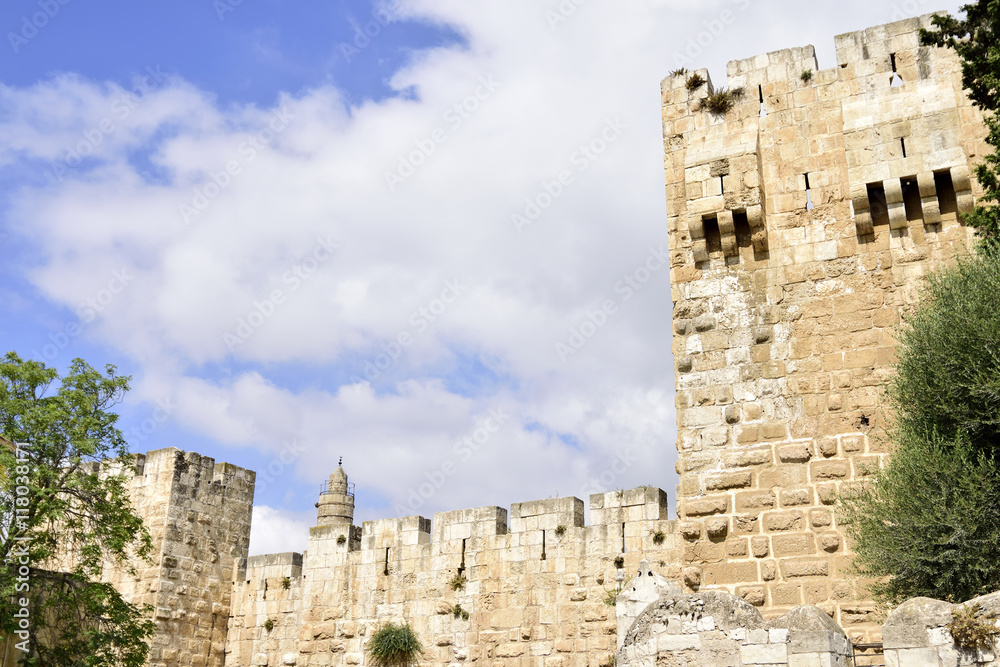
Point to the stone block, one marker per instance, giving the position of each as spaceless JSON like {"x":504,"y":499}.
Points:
{"x":820,"y":518}
{"x":717,"y":527}
{"x":760,"y":546}
{"x":796,"y":497}
{"x":755,"y":595}
{"x":827,"y":493}
{"x":745,"y":458}
{"x":827,"y":470}
{"x":793,"y":545}
{"x":804,"y":568}
{"x":727,"y":481}
{"x":783,"y":521}
{"x":737,"y":572}
{"x":755,"y":500}
{"x":764,"y":654}
{"x":706,"y":506}
{"x":743,"y":525}
{"x":799,"y":453}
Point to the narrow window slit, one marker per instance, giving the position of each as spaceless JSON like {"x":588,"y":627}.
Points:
{"x":386,"y":569}
{"x":713,"y":238}
{"x":911,"y":198}
{"x":461,"y":567}
{"x":902,"y":144}
{"x":896,"y":80}
{"x":947,"y":200}
{"x":809,"y":199}
{"x":543,"y":545}
{"x":760,"y":93}
{"x":623,"y":538}
{"x":877,"y":204}
{"x":741,"y":227}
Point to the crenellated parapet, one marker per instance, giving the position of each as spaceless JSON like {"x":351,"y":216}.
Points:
{"x":480,"y":584}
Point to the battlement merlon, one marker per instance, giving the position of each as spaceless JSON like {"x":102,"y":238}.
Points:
{"x":274,"y":566}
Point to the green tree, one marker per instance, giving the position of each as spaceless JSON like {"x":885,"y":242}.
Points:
{"x":65,"y":516}
{"x":929,"y":523}
{"x":976,"y":39}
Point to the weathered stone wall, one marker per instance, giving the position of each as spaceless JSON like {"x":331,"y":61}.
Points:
{"x":664,"y":627}
{"x":533,"y":588}
{"x":198,"y":513}
{"x":801,"y":224}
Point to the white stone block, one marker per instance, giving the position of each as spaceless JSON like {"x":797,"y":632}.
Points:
{"x":764,"y":654}
{"x":678,"y":643}
{"x":737,"y":634}
{"x":777,"y":636}
{"x":912,"y":657}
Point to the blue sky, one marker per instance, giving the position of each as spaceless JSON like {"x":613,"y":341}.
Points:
{"x":304,"y":241}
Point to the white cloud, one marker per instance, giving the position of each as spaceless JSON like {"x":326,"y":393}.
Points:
{"x":269,"y":185}
{"x":275,"y":531}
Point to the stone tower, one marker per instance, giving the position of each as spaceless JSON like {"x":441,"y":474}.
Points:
{"x":802,"y":221}
{"x":198,"y":514}
{"x":336,"y":501}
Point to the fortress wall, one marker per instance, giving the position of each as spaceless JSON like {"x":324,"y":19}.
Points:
{"x":801,"y":224}
{"x":197,"y":512}
{"x":534,"y":591}
{"x":786,"y":296}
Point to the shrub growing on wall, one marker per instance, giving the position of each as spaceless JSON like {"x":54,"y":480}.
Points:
{"x":394,"y":646}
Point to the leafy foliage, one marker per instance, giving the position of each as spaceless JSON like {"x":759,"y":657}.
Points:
{"x":76,"y":517}
{"x":721,"y":101}
{"x":928,"y":525}
{"x":695,"y":81}
{"x":394,"y":646}
{"x":806,"y":75}
{"x":560,"y":530}
{"x":969,"y":631}
{"x":458,"y":612}
{"x":457,"y":583}
{"x":948,"y":372}
{"x":975,"y":39}
{"x":658,"y":537}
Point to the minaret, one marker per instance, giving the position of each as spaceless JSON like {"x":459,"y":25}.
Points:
{"x":336,"y":503}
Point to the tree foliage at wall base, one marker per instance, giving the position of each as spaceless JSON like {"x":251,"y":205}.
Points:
{"x":929,"y":523}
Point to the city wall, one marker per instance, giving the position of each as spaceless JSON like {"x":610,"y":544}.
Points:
{"x":801,"y":224}
{"x":535,"y":587}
